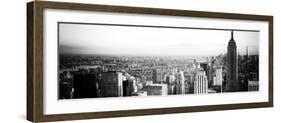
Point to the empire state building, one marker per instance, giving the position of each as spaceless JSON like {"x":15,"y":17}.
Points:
{"x":232,"y":68}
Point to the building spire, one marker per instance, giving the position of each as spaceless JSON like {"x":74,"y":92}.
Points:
{"x":232,"y":39}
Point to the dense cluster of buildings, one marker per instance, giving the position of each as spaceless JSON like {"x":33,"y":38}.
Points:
{"x":85,"y":76}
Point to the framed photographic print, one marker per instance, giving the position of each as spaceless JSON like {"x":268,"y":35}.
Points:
{"x":96,"y":61}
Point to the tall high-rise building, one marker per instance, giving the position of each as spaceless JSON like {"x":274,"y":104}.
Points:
{"x":171,"y":89}
{"x":189,"y":87}
{"x":112,"y":84}
{"x":218,"y":77}
{"x":171,"y":85}
{"x":232,"y":67}
{"x":129,"y":87}
{"x":201,"y":82}
{"x":180,"y":83}
{"x":125,"y":86}
{"x":157,"y":76}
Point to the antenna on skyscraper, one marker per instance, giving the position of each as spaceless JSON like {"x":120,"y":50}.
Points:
{"x":232,"y":39}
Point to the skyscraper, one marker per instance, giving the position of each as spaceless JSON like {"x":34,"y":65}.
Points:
{"x":232,"y":68}
{"x":112,"y":84}
{"x":218,"y":77}
{"x":157,"y":76}
{"x":201,"y":82}
{"x":180,"y":83}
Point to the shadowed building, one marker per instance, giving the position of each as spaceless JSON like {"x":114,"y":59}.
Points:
{"x":232,"y":67}
{"x":65,"y":85}
{"x":204,"y":66}
{"x":157,"y":76}
{"x":65,"y":89}
{"x":125,"y":86}
{"x":85,"y":85}
{"x":129,"y":87}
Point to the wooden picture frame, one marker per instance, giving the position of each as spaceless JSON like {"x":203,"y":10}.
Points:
{"x":35,"y":60}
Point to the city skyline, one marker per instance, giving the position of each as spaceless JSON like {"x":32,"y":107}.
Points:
{"x":224,"y":68}
{"x":148,"y":41}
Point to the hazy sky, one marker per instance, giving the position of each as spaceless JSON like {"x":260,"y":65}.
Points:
{"x":149,"y":41}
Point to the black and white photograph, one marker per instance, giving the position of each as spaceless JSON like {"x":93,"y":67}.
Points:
{"x":99,"y":60}
{"x":87,"y":60}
